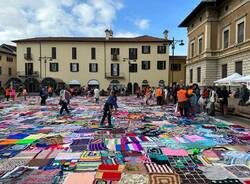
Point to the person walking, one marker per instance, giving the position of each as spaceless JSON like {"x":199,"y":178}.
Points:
{"x":13,"y":93}
{"x":211,"y":103}
{"x":50,"y":91}
{"x":223,"y":100}
{"x":43,"y":95}
{"x":64,"y":100}
{"x":244,"y":95}
{"x":25,"y":94}
{"x":96,"y":95}
{"x":183,"y":104}
{"x":148,"y":95}
{"x":110,"y":103}
{"x":138,"y":92}
{"x":7,"y":93}
{"x":205,"y":99}
{"x":158,"y":93}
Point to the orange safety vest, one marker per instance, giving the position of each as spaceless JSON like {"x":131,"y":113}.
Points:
{"x":181,"y":95}
{"x":158,"y":92}
{"x":190,"y":91}
{"x":7,"y":92}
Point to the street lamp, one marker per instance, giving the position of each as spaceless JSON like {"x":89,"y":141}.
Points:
{"x":45,"y":63}
{"x":129,"y":66}
{"x":173,"y":44}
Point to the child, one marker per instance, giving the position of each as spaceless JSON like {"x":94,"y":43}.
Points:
{"x":108,"y":107}
{"x":24,"y":93}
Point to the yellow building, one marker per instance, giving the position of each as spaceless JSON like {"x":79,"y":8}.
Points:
{"x":93,"y":61}
{"x":177,"y":69}
{"x":219,"y":40}
{"x":7,"y":63}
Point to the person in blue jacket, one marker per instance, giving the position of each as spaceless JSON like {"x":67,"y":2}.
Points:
{"x":110,"y":103}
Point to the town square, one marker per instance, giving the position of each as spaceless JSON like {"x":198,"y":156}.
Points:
{"x":101,"y":92}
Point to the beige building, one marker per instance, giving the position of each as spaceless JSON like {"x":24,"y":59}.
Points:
{"x":219,"y":40}
{"x":90,"y":61}
{"x":177,"y":71}
{"x":7,"y":63}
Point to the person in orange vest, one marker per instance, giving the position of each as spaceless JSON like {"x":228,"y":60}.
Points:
{"x":183,"y":103}
{"x":158,"y":94}
{"x":50,"y":91}
{"x":7,"y":93}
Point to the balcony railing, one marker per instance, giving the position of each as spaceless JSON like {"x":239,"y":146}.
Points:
{"x":26,"y":74}
{"x":28,"y":57}
{"x":110,"y":76}
{"x":115,"y":57}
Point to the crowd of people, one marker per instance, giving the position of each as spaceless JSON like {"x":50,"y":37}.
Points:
{"x":189,"y":100}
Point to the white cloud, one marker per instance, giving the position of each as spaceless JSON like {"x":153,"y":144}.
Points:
{"x":29,"y":18}
{"x":142,"y":23}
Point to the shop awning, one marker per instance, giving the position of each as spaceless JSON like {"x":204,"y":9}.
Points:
{"x":229,"y":79}
{"x":93,"y":82}
{"x":74,"y":82}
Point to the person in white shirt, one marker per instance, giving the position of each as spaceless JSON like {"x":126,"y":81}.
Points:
{"x":96,"y":95}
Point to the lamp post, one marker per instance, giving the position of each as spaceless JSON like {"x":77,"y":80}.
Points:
{"x":45,"y":58}
{"x":129,"y":64}
{"x":174,"y":42}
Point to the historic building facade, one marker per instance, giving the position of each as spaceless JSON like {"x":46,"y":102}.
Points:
{"x":7,"y":63}
{"x":219,"y":40}
{"x":96,"y":61}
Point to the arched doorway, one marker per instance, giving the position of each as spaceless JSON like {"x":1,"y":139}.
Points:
{"x":93,"y":84}
{"x":15,"y":82}
{"x":52,"y":82}
{"x":114,"y":84}
{"x":145,"y":84}
{"x":136,"y":86}
{"x":32,"y":85}
{"x":162,"y":83}
{"x":129,"y":88}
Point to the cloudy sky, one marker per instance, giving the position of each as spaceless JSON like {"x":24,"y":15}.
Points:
{"x":32,"y":18}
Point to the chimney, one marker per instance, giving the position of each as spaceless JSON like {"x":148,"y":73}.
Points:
{"x":165,"y":33}
{"x":109,"y":34}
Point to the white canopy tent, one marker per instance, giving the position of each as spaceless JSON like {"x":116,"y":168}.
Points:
{"x":229,"y":79}
{"x":242,"y":79}
{"x":74,"y":82}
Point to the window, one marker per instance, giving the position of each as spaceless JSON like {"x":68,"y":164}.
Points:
{"x":238,"y":67}
{"x":10,"y":59}
{"x":53,"y":67}
{"x":161,"y":65}
{"x":145,"y":65}
{"x":93,"y":67}
{"x":161,"y":49}
{"x":199,"y":74}
{"x":226,"y":39}
{"x":132,"y":53}
{"x":192,"y":49}
{"x":28,"y":53}
{"x":133,"y":68}
{"x":93,"y":53}
{"x":0,"y":70}
{"x":74,"y":67}
{"x":0,"y":57}
{"x":200,"y":45}
{"x":74,"y":52}
{"x":176,"y":67}
{"x":115,"y":69}
{"x":10,"y":71}
{"x":28,"y":69}
{"x":145,"y":49}
{"x":224,"y":71}
{"x":115,"y":51}
{"x":191,"y":76}
{"x":53,"y":51}
{"x":0,"y":83}
{"x":241,"y":32}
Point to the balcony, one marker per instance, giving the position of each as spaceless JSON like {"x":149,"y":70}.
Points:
{"x":28,"y":57}
{"x":26,"y":74}
{"x":109,"y":76}
{"x":115,"y":57}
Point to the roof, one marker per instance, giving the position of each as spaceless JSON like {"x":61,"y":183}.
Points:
{"x":203,"y":4}
{"x":144,"y":38}
{"x":8,"y":49}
